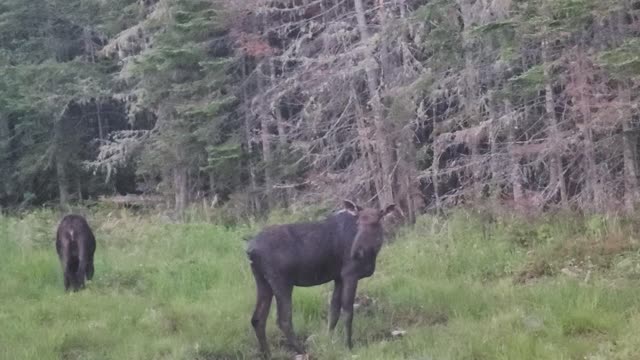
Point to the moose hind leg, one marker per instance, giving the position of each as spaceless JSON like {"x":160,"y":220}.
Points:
{"x":71,"y":280}
{"x":67,"y":280}
{"x":83,"y":258}
{"x":283,"y":299}
{"x":65,"y":258}
{"x":90,"y":269}
{"x":261,"y":313}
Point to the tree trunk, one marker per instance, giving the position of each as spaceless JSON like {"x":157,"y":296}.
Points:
{"x":471,"y":94}
{"x":434,"y":179}
{"x":212,"y":185}
{"x":99,"y":117}
{"x":408,"y":193}
{"x":253,"y":183}
{"x":476,"y":172}
{"x":495,"y":186}
{"x":383,"y":145}
{"x":629,"y":134}
{"x":514,"y":172}
{"x":5,"y":143}
{"x":267,"y":155}
{"x":5,"y":138}
{"x":364,"y":142}
{"x":285,"y":193}
{"x":267,"y":158}
{"x":63,"y":180}
{"x":89,"y":46}
{"x":282,"y":136}
{"x":79,"y":189}
{"x":592,"y":179}
{"x":60,"y":158}
{"x":557,"y":182}
{"x":180,"y":188}
{"x":630,"y":144}
{"x":435,"y":165}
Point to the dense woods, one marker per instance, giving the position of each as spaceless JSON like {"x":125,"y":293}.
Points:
{"x":252,"y":105}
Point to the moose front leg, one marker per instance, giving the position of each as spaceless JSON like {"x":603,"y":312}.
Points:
{"x":334,"y":309}
{"x":348,"y":297}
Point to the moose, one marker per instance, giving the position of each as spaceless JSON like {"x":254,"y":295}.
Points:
{"x":342,"y":248}
{"x":75,"y":245}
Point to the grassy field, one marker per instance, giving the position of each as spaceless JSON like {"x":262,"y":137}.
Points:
{"x":461,"y":288}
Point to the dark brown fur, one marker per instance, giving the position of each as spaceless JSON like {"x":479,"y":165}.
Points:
{"x":75,"y":245}
{"x":343,"y":249}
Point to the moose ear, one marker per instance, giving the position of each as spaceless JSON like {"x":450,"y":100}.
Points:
{"x":351,"y":207}
{"x":388,"y":210}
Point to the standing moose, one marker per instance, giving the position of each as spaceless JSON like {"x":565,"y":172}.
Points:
{"x":75,"y":245}
{"x":342,"y":248}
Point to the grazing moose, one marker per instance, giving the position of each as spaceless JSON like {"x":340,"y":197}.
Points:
{"x":75,"y":245}
{"x":342,"y":248}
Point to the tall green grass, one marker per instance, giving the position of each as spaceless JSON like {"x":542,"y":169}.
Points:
{"x":165,"y":290}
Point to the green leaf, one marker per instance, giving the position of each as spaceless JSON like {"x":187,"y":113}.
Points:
{"x":623,"y":61}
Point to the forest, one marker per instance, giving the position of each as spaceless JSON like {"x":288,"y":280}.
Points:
{"x":256,"y":105}
{"x":505,"y":132}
